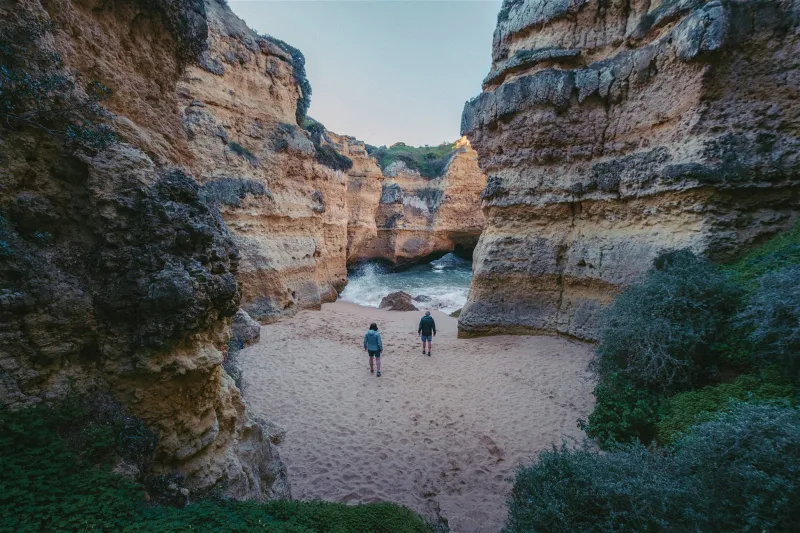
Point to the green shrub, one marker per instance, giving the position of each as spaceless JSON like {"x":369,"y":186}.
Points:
{"x":326,"y":154}
{"x":55,"y":475}
{"x":745,"y":469}
{"x":622,"y":413}
{"x":772,"y":318}
{"x":583,"y":490}
{"x":429,"y":161}
{"x":299,"y":73}
{"x":738,"y":473}
{"x":686,"y":409}
{"x":780,"y":251}
{"x":662,"y":333}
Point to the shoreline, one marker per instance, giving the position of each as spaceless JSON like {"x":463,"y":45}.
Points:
{"x":441,"y":435}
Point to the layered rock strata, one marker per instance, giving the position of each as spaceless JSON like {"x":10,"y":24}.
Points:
{"x":612,"y":131}
{"x":116,"y":272}
{"x":401,"y":217}
{"x":286,"y":211}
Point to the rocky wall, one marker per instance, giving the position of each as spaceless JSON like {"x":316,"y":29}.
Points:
{"x":116,"y":272}
{"x":402,"y":218}
{"x":286,"y":211}
{"x":612,"y":131}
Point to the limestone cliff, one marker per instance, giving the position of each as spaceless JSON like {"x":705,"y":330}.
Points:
{"x":364,"y":181}
{"x":116,"y":271}
{"x":614,"y":130}
{"x":401,"y":217}
{"x":286,"y":211}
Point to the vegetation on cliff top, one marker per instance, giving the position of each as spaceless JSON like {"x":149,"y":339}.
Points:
{"x":702,"y":362}
{"x":429,"y":161}
{"x":56,"y":475}
{"x":326,"y":153}
{"x":299,"y":70}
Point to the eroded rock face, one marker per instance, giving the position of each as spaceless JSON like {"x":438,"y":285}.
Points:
{"x":244,"y":329}
{"x":400,"y":217}
{"x":116,"y":273}
{"x":286,"y":212}
{"x":612,"y":131}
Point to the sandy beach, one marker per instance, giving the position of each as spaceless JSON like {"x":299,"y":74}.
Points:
{"x":441,"y":435}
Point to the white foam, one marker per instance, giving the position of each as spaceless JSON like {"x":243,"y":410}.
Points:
{"x":445,"y":281}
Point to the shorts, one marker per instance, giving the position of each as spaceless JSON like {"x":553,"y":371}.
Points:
{"x":427,"y":338}
{"x":374,"y":353}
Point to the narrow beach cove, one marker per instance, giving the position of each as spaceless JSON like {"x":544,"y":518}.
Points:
{"x":441,"y":435}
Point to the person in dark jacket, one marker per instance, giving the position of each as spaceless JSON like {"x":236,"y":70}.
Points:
{"x":374,"y":346}
{"x":427,"y":330}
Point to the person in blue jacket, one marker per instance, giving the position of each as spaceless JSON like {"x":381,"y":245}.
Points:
{"x":374,"y":346}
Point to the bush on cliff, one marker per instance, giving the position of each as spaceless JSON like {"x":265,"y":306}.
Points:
{"x":326,"y":153}
{"x":56,"y":475}
{"x":429,"y":161}
{"x":299,"y":73}
{"x":738,"y":473}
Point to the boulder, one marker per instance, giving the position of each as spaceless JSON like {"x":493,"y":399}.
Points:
{"x":422,"y":298}
{"x":244,"y":328}
{"x":398,"y":301}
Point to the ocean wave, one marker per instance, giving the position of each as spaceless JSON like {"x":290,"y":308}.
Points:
{"x":445,"y":282}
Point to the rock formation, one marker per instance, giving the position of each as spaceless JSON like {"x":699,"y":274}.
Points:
{"x":285,"y":210}
{"x":364,"y":182}
{"x":401,"y":217}
{"x":398,"y":301}
{"x":117,"y":272}
{"x":614,"y":130}
{"x":244,"y":329}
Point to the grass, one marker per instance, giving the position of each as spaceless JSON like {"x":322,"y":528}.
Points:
{"x":429,"y":161}
{"x":55,"y":475}
{"x":780,"y":251}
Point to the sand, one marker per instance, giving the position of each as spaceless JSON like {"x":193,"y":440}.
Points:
{"x":442,"y":435}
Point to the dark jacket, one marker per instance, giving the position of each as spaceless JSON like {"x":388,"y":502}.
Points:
{"x":427,"y":326}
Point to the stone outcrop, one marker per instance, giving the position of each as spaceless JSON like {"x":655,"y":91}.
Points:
{"x":398,"y":216}
{"x":398,"y":301}
{"x":244,"y":329}
{"x":364,"y":182}
{"x":612,"y":131}
{"x":286,"y":211}
{"x":116,"y":271}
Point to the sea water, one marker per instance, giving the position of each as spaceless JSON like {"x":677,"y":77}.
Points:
{"x":445,"y":281}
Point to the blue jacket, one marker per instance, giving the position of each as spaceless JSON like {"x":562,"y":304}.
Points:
{"x":372,"y":341}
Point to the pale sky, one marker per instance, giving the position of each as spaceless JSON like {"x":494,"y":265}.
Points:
{"x":385,"y":71}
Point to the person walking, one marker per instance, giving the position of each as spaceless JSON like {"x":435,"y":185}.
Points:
{"x":426,"y":331}
{"x":374,"y":346}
